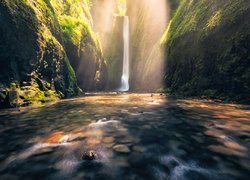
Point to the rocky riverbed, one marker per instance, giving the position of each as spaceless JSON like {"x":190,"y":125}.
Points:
{"x":126,"y":136}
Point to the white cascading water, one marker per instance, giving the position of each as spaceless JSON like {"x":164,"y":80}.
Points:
{"x":125,"y":71}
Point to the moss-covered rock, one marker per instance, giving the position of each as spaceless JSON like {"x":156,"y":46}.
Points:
{"x":48,"y":42}
{"x":208,"y":49}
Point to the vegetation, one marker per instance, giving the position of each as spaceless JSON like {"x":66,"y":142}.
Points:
{"x":46,"y":41}
{"x":214,"y":39}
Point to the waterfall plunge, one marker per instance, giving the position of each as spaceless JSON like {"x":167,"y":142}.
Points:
{"x":125,"y":71}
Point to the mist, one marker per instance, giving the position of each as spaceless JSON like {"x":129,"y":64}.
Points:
{"x":148,"y":21}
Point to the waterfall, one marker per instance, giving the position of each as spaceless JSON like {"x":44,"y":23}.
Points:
{"x":125,"y":71}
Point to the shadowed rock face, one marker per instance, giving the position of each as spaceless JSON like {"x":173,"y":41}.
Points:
{"x":41,"y":44}
{"x":208,"y":50}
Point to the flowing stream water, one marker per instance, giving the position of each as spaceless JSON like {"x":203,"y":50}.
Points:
{"x":125,"y":70}
{"x":134,"y":136}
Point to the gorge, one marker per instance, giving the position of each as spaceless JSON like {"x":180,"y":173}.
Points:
{"x":125,"y":89}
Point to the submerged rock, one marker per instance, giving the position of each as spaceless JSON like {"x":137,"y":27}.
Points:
{"x":121,"y":148}
{"x":77,"y":137}
{"x":139,"y":149}
{"x":89,"y":155}
{"x":108,"y":140}
{"x":44,"y":151}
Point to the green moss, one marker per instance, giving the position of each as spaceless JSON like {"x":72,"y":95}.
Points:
{"x":72,"y":29}
{"x":208,"y":48}
{"x":51,"y":36}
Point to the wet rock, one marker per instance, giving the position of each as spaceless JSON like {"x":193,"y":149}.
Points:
{"x":76,"y":137}
{"x":126,"y":140}
{"x":89,"y":155}
{"x":210,"y":124}
{"x":235,"y":146}
{"x":122,"y":130}
{"x":140,"y":149}
{"x":121,"y":162}
{"x":109,"y":145}
{"x":121,"y":148}
{"x":56,"y":137}
{"x":108,"y":140}
{"x":225,"y":150}
{"x":178,"y":135}
{"x":147,"y":127}
{"x":180,"y":152}
{"x":93,"y":141}
{"x":44,"y":151}
{"x":13,"y":98}
{"x":198,"y":139}
{"x":199,"y":134}
{"x":2,"y":96}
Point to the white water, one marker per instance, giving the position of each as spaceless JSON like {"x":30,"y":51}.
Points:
{"x":125,"y":71}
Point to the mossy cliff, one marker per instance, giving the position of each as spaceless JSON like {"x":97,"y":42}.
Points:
{"x":47,"y":47}
{"x":208,"y":45}
{"x":108,"y":22}
{"x":147,"y":23}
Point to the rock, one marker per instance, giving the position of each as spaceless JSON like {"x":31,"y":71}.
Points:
{"x":64,"y":139}
{"x":226,"y":151}
{"x":121,"y":162}
{"x":2,"y":97}
{"x":126,"y":140}
{"x":121,"y":148}
{"x":13,"y":98}
{"x":180,"y":152}
{"x":178,"y":135}
{"x":109,"y":145}
{"x":108,"y":140}
{"x":147,"y":127}
{"x":93,"y":141}
{"x":140,"y":149}
{"x":210,"y":124}
{"x":43,"y":151}
{"x":198,"y":139}
{"x":235,"y":146}
{"x":56,"y":137}
{"x":77,"y":137}
{"x":89,"y":156}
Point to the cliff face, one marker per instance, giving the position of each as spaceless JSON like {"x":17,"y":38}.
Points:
{"x":208,"y":46}
{"x":47,"y":49}
{"x":148,"y":20}
{"x":108,"y":22}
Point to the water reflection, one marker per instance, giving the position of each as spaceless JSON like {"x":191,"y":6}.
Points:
{"x":134,"y":136}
